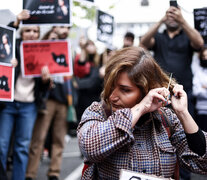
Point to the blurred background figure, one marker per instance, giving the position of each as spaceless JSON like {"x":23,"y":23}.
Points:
{"x":174,"y":47}
{"x":128,"y":39}
{"x":54,"y":118}
{"x":18,"y":117}
{"x":86,"y":72}
{"x":62,"y":31}
{"x":104,"y":57}
{"x":173,"y":50}
{"x":200,"y":89}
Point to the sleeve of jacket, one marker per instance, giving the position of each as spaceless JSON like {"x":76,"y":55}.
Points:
{"x":186,"y":157}
{"x":99,"y":136}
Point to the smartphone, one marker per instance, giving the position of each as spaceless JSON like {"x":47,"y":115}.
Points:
{"x":173,"y":3}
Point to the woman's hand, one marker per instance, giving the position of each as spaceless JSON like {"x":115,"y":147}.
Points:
{"x":155,"y":99}
{"x":180,"y":106}
{"x":14,"y":62}
{"x":23,"y":15}
{"x":45,"y":74}
{"x":179,"y":100}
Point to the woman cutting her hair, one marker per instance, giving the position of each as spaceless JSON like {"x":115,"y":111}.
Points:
{"x":126,"y":129}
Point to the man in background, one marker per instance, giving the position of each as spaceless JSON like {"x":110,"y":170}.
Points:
{"x":173,"y":50}
{"x":128,"y":39}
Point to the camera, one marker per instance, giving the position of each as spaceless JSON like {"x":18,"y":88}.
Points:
{"x":173,"y":3}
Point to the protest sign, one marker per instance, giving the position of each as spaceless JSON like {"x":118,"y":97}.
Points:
{"x":7,"y":44}
{"x":6,"y":83}
{"x":105,"y":27}
{"x":200,"y":22}
{"x":131,"y":175}
{"x":55,"y":12}
{"x":54,"y":54}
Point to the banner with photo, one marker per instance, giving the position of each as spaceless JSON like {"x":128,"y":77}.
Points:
{"x":54,"y":54}
{"x":200,"y":22}
{"x":6,"y":83}
{"x":55,"y":12}
{"x":105,"y":27}
{"x":7,"y":44}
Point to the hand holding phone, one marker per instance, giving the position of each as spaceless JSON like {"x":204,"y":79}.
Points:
{"x":173,"y":3}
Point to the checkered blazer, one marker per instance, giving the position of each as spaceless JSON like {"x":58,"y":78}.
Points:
{"x":109,"y":144}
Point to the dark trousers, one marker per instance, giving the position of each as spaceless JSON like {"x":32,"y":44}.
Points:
{"x":2,"y":172}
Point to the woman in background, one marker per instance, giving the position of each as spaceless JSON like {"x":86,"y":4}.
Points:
{"x":200,"y":89}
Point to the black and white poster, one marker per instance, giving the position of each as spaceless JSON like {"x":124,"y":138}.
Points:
{"x":55,"y":12}
{"x":7,"y":44}
{"x":200,"y":22}
{"x":105,"y":27}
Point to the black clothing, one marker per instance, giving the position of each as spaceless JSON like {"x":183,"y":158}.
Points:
{"x":2,"y":172}
{"x":59,"y":93}
{"x":195,"y":139}
{"x":89,"y":90}
{"x":174,"y":55}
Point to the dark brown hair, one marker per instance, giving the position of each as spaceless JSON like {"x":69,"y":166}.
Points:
{"x":142,"y":70}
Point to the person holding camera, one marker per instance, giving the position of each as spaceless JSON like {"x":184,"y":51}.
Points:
{"x":173,"y":48}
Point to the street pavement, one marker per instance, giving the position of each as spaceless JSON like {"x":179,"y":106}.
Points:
{"x":72,"y":163}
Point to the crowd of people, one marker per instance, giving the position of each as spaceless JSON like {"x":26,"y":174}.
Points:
{"x":131,"y":114}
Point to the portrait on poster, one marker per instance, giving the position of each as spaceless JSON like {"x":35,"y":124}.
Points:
{"x":7,"y":44}
{"x":55,"y":12}
{"x":54,"y":54}
{"x":6,"y":83}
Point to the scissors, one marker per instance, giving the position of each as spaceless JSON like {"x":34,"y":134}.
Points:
{"x":169,"y":81}
{"x":167,"y":98}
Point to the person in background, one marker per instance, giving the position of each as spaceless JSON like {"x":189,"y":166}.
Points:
{"x":62,"y":31}
{"x":87,"y":80}
{"x":173,"y":50}
{"x":104,"y":57}
{"x":200,"y":89}
{"x":50,"y":35}
{"x":55,"y":118}
{"x":3,"y":174}
{"x":128,"y":39}
{"x":19,"y":116}
{"x":126,"y":130}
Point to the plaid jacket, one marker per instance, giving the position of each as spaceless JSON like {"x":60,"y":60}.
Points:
{"x":109,"y":144}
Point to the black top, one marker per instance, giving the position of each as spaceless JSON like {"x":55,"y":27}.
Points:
{"x":59,"y":92}
{"x":174,"y":55}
